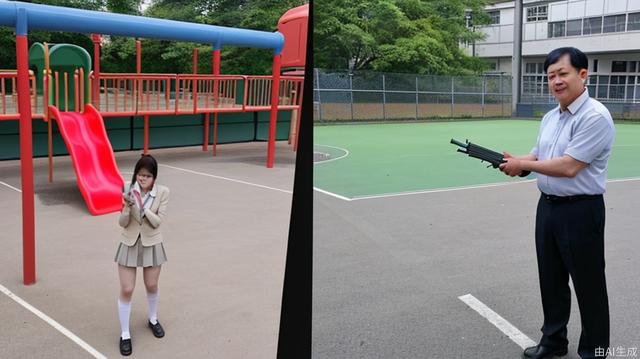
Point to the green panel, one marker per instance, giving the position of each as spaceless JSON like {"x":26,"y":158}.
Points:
{"x":233,"y":132}
{"x":238,"y":117}
{"x":168,"y":136}
{"x":282,"y":126}
{"x":9,"y":127}
{"x":115,"y":123}
{"x":239,"y":92}
{"x":41,"y":126}
{"x":164,"y":131}
{"x":170,"y":120}
{"x":120,"y":139}
{"x":65,"y":58}
{"x":36,"y":63}
{"x":9,"y":147}
{"x":40,"y":145}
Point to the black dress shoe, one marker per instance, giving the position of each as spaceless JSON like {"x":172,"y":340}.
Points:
{"x":125,"y":346}
{"x":542,"y":352}
{"x":157,"y":330}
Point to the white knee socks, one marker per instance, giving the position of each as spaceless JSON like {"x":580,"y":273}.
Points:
{"x":124,"y":311}
{"x":152,"y":298}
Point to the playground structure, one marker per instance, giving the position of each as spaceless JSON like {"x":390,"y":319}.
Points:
{"x":79,"y":99}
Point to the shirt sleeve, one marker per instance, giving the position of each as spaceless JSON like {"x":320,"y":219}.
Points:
{"x":534,"y":151}
{"x":593,"y":135}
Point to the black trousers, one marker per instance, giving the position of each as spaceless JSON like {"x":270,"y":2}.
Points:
{"x":570,"y":242}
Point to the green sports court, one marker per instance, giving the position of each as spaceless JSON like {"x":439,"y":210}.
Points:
{"x":363,"y":160}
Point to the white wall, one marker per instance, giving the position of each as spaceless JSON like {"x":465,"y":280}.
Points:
{"x":557,"y":11}
{"x":506,"y":16}
{"x":594,"y":7}
{"x":576,"y":9}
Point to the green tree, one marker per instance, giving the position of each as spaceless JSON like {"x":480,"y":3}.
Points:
{"x":8,"y":41}
{"x":418,"y":36}
{"x":249,"y":14}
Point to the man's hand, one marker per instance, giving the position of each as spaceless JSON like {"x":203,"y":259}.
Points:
{"x":512,"y":167}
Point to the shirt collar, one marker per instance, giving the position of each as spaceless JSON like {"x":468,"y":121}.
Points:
{"x":152,"y":193}
{"x":578,"y":102}
{"x":154,"y":190}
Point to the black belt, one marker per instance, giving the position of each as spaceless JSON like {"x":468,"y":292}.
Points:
{"x":562,"y":199}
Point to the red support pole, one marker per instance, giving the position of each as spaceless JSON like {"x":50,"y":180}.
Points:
{"x":295,"y":143}
{"x":26,"y":162}
{"x":146,"y":134}
{"x":139,"y":70}
{"x":273,"y":118}
{"x":216,"y":72}
{"x":205,"y":140}
{"x":95,"y":96}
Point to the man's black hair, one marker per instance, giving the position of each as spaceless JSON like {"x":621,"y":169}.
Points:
{"x":579,"y":60}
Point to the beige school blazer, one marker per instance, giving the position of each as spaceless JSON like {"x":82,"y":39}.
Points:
{"x":149,"y":227}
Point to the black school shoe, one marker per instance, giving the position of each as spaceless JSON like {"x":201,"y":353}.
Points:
{"x":157,"y":330}
{"x":543,"y":352}
{"x":125,"y":346}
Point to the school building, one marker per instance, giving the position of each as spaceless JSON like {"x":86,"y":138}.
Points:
{"x":608,"y":31}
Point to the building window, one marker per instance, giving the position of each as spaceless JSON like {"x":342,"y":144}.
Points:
{"x":574,"y":27}
{"x":616,"y":88}
{"x":595,"y":66}
{"x":618,"y":66}
{"x":634,"y":22}
{"x":495,"y":17}
{"x":592,"y":25}
{"x":537,"y":13}
{"x":557,"y":29}
{"x":603,"y":87}
{"x":534,"y":68}
{"x":614,"y":23}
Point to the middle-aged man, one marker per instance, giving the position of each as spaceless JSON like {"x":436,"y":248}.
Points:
{"x":570,"y":159}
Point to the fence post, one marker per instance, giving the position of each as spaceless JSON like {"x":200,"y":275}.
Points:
{"x":452,"y":96}
{"x":351,"y":92}
{"x":484,"y":88}
{"x":417,"y":98}
{"x":501,"y":97}
{"x":319,"y":102}
{"x":384,"y":100}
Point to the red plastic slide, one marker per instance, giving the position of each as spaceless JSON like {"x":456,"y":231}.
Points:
{"x":98,"y":176}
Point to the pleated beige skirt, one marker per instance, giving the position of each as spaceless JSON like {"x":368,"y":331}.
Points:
{"x":138,"y":255}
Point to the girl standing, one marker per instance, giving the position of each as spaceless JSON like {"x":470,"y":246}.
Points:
{"x":144,"y":207}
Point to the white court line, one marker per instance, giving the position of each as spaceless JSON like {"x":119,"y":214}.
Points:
{"x":227,"y":179}
{"x":10,"y":186}
{"x":624,"y":180}
{"x":53,"y":323}
{"x":397,"y":194}
{"x":346,"y":153}
{"x":494,"y":318}
{"x":450,"y":189}
{"x":332,"y":194}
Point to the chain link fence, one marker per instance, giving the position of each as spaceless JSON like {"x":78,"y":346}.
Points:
{"x":375,"y":96}
{"x":362,"y":96}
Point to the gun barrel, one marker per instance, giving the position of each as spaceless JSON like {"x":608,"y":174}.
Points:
{"x":458,"y":143}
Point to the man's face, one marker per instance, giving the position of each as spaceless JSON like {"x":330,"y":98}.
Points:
{"x":566,"y":83}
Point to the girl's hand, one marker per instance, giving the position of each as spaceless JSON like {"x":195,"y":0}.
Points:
{"x":126,"y":200}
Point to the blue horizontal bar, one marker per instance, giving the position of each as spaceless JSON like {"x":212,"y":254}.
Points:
{"x":55,"y":18}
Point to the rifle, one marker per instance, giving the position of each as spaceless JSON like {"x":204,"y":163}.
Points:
{"x":484,"y":154}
